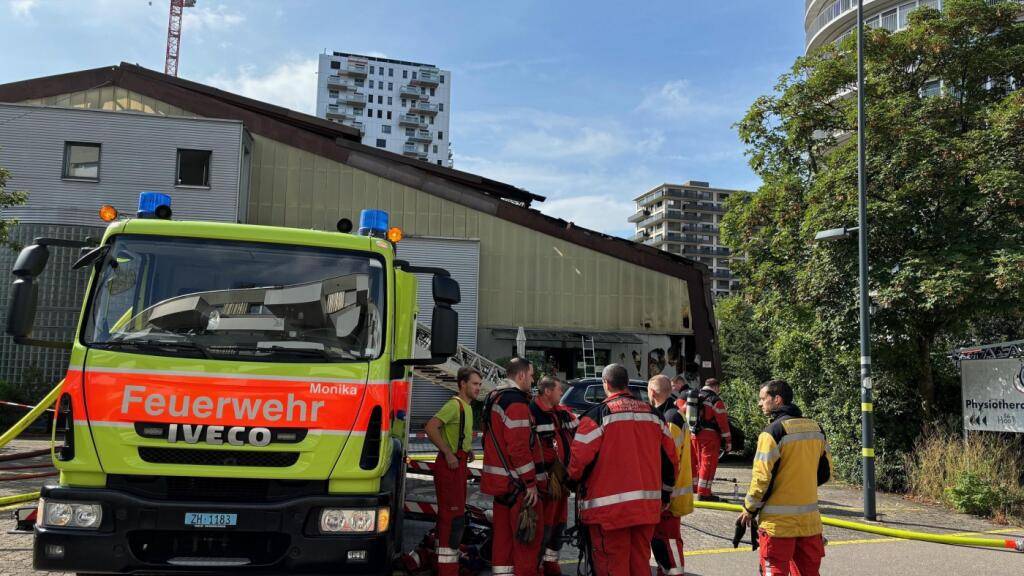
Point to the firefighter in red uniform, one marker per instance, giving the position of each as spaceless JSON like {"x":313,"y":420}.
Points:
{"x":712,"y":432}
{"x":624,"y":459}
{"x":451,"y":430}
{"x":555,"y":426}
{"x":668,"y":536}
{"x":510,"y":476}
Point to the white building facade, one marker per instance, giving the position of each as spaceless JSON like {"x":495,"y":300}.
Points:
{"x":402,"y":107}
{"x":684,"y":219}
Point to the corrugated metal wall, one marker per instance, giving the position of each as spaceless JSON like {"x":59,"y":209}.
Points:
{"x":526,"y":278}
{"x":138,"y":152}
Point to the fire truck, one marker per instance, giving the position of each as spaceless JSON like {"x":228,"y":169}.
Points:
{"x":236,"y":396}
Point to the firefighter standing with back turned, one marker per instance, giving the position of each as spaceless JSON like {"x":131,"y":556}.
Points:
{"x":509,"y":474}
{"x":668,"y":537}
{"x":624,"y":459}
{"x":451,"y":431}
{"x":555,"y":427}
{"x":710,"y":435}
{"x":792,"y":460}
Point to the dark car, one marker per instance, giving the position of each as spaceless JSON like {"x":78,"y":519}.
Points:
{"x":585,"y":393}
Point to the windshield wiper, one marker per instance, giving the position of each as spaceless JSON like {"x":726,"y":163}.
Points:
{"x":278,"y":350}
{"x":153,"y":345}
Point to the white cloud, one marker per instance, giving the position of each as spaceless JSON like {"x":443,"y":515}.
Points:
{"x":23,"y":8}
{"x":602,"y":213}
{"x":201,"y":18}
{"x":678,"y":100}
{"x":291,"y":84}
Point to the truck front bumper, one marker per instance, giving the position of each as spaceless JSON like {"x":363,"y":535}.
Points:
{"x":143,"y":535}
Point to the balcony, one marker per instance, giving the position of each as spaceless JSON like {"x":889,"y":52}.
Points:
{"x":639,"y":236}
{"x":427,"y":77}
{"x":410,"y":92}
{"x":341,"y":82}
{"x":356,"y":69}
{"x":334,"y":112}
{"x":423,"y":108}
{"x":413,"y":150}
{"x":354,"y":97}
{"x":421,"y":136}
{"x":705,"y":251}
{"x":354,"y":124}
{"x":722,"y":274}
{"x":638,"y":216}
{"x":412,"y":120}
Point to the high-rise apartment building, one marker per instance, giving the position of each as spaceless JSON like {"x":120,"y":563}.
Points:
{"x":683,"y":219}
{"x":399,"y":106}
{"x":832,"y":20}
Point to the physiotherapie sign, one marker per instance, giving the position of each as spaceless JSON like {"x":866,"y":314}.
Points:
{"x":993,"y":393}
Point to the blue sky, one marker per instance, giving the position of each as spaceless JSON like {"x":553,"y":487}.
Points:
{"x":587,"y":103}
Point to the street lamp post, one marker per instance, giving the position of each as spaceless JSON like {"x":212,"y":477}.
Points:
{"x":866,"y":397}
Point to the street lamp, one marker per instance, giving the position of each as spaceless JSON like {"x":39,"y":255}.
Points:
{"x":866,"y":394}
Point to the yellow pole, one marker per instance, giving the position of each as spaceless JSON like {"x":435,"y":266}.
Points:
{"x":1016,"y":544}
{"x":29,"y":418}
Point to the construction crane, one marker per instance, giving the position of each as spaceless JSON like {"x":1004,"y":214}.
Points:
{"x":174,"y":35}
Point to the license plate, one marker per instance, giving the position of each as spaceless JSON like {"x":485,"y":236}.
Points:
{"x":210,"y":519}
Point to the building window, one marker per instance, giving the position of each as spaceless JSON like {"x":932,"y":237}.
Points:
{"x":359,"y":82}
{"x":369,"y":98}
{"x":380,"y":99}
{"x":438,"y":162}
{"x":332,"y":93}
{"x":410,"y":131}
{"x":442,"y":78}
{"x":371,"y":70}
{"x":440,"y":107}
{"x":403,"y":102}
{"x":389,"y":114}
{"x":391,"y":71}
{"x":414,"y":75}
{"x":380,"y":84}
{"x":385,"y":128}
{"x":335,"y":65}
{"x":431,"y":119}
{"x":440,"y":135}
{"x":435,"y":148}
{"x":369,"y":112}
{"x":390,"y":102}
{"x":380,"y":113}
{"x":391,"y":85}
{"x":193,"y":167}
{"x":81,"y":160}
{"x":382,"y":143}
{"x":432,"y":92}
{"x":405,"y":73}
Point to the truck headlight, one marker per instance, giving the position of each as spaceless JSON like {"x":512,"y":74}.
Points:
{"x":70,"y":514}
{"x":340,"y":520}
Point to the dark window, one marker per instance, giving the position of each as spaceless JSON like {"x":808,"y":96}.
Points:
{"x":380,"y":99}
{"x":369,"y":112}
{"x":380,"y":84}
{"x":193,"y":167}
{"x":81,"y":160}
{"x":440,"y":107}
{"x":432,"y":92}
{"x":369,"y":98}
{"x":390,"y":102}
{"x":333,"y":93}
{"x":386,"y":128}
{"x":371,"y":70}
{"x":435,"y":148}
{"x":335,"y":65}
{"x":389,"y":116}
{"x":431,"y":119}
{"x":380,"y":113}
{"x":382,"y":143}
{"x":391,"y":85}
{"x":442,"y":78}
{"x":405,"y":73}
{"x":403,"y":102}
{"x":391,"y":71}
{"x":380,"y":69}
{"x":359,"y":82}
{"x":414,"y":75}
{"x":410,"y":131}
{"x":440,"y":135}
{"x":438,"y":162}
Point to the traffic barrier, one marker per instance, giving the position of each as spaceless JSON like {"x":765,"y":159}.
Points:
{"x":1016,"y":544}
{"x":29,"y":418}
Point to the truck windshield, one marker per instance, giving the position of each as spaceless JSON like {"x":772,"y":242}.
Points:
{"x":237,"y":300}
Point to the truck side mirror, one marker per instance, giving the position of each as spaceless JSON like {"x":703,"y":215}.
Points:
{"x":444,"y":331}
{"x":21,"y":308}
{"x":446,"y":290}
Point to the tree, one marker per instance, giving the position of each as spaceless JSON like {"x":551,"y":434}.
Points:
{"x":945,"y":161}
{"x":7,"y":199}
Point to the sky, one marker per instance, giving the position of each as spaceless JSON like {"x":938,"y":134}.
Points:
{"x":589,"y":104}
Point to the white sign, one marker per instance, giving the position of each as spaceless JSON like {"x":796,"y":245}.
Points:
{"x":993,"y":394}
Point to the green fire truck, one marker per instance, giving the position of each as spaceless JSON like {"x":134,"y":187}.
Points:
{"x":236,"y":396}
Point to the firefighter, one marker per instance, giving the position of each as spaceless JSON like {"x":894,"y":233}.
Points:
{"x":680,"y":389}
{"x":625,"y":463}
{"x":451,"y":431}
{"x":510,"y":476}
{"x":668,"y":537}
{"x":792,"y":460}
{"x":555,"y":427}
{"x":710,"y":434}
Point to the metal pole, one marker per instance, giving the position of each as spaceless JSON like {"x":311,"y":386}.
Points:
{"x":866,"y":402}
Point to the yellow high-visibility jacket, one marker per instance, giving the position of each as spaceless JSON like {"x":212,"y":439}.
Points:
{"x":792,"y":460}
{"x":681,"y":503}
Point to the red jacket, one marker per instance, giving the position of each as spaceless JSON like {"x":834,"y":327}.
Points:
{"x":511,"y":426}
{"x":714,"y":415}
{"x":632,"y":460}
{"x":555,"y":429}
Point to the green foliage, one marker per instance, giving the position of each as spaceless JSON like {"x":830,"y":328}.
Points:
{"x":946,"y":218}
{"x":744,"y":365}
{"x":973,"y":495}
{"x":8,"y":199}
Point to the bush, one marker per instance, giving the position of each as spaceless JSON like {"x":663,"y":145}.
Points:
{"x":981,"y":475}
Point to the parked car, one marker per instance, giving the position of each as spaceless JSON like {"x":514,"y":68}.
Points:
{"x":583,"y":394}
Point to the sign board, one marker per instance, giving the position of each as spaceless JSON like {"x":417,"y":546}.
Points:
{"x":993,"y":394}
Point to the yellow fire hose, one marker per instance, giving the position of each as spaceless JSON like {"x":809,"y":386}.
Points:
{"x":1009,"y":543}
{"x":17,"y":429}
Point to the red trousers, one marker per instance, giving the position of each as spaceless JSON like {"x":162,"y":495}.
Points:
{"x":623,"y":552}
{"x":508,"y":555}
{"x":705,"y":446}
{"x":668,"y":546}
{"x":450,"y":486}
{"x":784,"y":556}
{"x":556,"y":514}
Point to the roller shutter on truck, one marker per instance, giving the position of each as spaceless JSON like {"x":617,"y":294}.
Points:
{"x":462,"y":259}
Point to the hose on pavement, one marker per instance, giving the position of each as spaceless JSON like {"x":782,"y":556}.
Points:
{"x":29,"y":418}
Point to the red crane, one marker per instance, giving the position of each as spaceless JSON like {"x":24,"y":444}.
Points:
{"x":174,"y":35}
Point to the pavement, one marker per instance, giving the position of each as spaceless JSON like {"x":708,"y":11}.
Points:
{"x":707,"y":534}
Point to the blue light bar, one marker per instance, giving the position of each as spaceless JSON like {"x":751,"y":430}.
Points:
{"x":154,"y":205}
{"x":373,"y":223}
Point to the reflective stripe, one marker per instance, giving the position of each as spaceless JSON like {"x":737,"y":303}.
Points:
{"x":674,"y":572}
{"x":545,"y":428}
{"x":767,"y":456}
{"x":550,"y":555}
{"x":589,"y":436}
{"x":495,"y":470}
{"x":620,"y":498}
{"x":717,"y":410}
{"x":631,"y":417}
{"x":571,"y":424}
{"x":496,"y":570}
{"x":727,"y":435}
{"x":542,"y":476}
{"x":498,"y":470}
{"x":528,"y":467}
{"x":510,"y":423}
{"x":752,"y":503}
{"x":415,"y":558}
{"x":677,"y":557}
{"x":702,"y":483}
{"x":801,"y":436}
{"x":789,"y":510}
{"x":666,"y":488}
{"x":682,"y":491}
{"x":447,"y":555}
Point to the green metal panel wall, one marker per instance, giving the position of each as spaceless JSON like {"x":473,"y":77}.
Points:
{"x":526,"y":278}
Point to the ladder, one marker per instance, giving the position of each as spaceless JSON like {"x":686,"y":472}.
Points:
{"x":589,"y":358}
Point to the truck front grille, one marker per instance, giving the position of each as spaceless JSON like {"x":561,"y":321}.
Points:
{"x":197,"y":457}
{"x":236,"y":548}
{"x":200,"y":489}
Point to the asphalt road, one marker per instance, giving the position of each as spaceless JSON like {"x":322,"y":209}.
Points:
{"x":708,"y":534}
